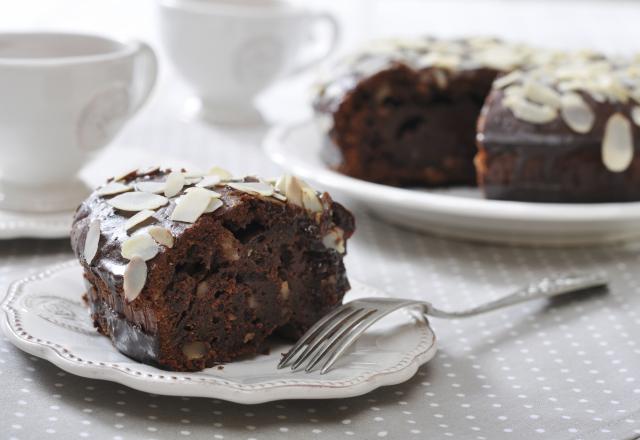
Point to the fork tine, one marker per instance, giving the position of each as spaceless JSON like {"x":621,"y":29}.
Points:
{"x":337,"y":337}
{"x":348,"y":341}
{"x":311,"y":334}
{"x":328,"y":330}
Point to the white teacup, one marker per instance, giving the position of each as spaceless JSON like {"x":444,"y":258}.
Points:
{"x":229,"y":51}
{"x":64,"y":96}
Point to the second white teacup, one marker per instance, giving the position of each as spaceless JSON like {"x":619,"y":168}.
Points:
{"x":64,"y":96}
{"x":229,"y":51}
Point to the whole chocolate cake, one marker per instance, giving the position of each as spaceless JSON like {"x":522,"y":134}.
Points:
{"x":566,"y":132}
{"x":188,"y":270}
{"x":404,"y":112}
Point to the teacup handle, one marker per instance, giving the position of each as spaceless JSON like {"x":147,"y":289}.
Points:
{"x":146,"y":76}
{"x":334,"y":40}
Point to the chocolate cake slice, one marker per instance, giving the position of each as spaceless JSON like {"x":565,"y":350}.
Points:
{"x":563,"y":132}
{"x":404,"y":112}
{"x":188,"y":270}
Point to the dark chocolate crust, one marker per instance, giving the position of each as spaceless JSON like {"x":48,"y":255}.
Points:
{"x":521,"y":161}
{"x":255,"y":266}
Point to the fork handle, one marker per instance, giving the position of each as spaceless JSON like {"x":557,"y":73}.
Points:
{"x":545,"y":288}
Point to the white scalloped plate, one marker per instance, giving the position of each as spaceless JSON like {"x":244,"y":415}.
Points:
{"x":45,"y":317}
{"x":456,"y":212}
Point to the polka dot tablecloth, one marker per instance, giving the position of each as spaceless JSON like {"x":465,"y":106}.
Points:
{"x":568,"y":369}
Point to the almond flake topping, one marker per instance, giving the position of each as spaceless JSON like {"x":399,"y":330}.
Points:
{"x":310,"y":200}
{"x":192,"y":180}
{"x":507,"y":79}
{"x":135,"y":277}
{"x":209,"y":181}
{"x":138,"y":218}
{"x":260,"y":188}
{"x":576,"y":113}
{"x":212,"y":194}
{"x":137,"y":201}
{"x":113,"y":188}
{"x":635,"y":115}
{"x":220,"y":172}
{"x":541,"y":94}
{"x":213,"y":205}
{"x":150,"y":187}
{"x":530,"y":112}
{"x":91,"y":241}
{"x":140,"y":245}
{"x":174,"y":184}
{"x":291,"y":187}
{"x":161,"y":235}
{"x":121,"y":176}
{"x":617,"y":143}
{"x":191,"y":206}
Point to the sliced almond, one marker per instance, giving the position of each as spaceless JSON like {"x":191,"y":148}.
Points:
{"x":635,"y":115}
{"x":507,"y":79}
{"x":140,"y":245}
{"x":137,"y":201}
{"x":617,"y":144}
{"x":310,"y":200}
{"x":174,"y":184}
{"x":138,"y":218}
{"x":192,"y":180}
{"x":212,"y":194}
{"x":576,"y":113}
{"x":209,"y":181}
{"x":91,"y":241}
{"x":279,"y":196}
{"x":541,"y":94}
{"x":260,"y":188}
{"x":530,"y":112}
{"x":213,"y":205}
{"x":150,"y":187}
{"x":151,"y":170}
{"x":193,"y":174}
{"x":334,"y":239}
{"x":112,"y":188}
{"x":192,"y":205}
{"x":220,"y":172}
{"x":125,"y":174}
{"x":135,"y":277}
{"x":194,"y":350}
{"x":161,"y":235}
{"x":291,"y":187}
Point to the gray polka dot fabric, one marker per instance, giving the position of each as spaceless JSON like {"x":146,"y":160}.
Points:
{"x":562,"y":369}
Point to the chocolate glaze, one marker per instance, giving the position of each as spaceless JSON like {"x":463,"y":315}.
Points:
{"x":244,"y":253}
{"x":518,"y":160}
{"x":400,"y":121}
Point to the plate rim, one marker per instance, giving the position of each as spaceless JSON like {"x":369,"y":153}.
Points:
{"x":35,"y":225}
{"x":180,"y":384}
{"x":441,"y":203}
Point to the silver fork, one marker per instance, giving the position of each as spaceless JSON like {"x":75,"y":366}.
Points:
{"x":330,"y":337}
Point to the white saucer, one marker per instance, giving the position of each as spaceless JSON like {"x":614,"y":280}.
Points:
{"x":34,"y":225}
{"x":457,"y":212}
{"x":44,"y":316}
